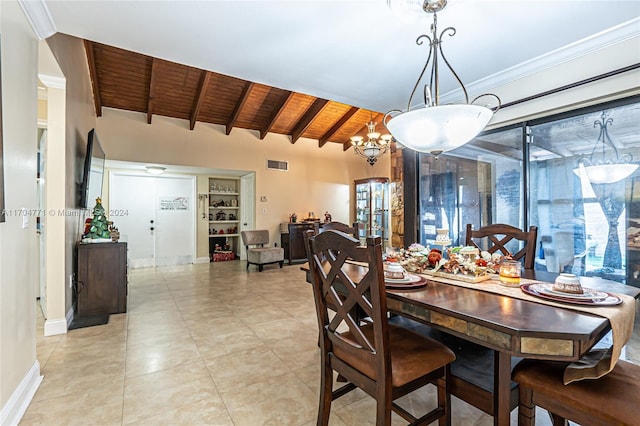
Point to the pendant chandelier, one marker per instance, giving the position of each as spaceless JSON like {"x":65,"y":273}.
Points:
{"x":604,"y":165}
{"x":431,"y":127}
{"x":375,"y":145}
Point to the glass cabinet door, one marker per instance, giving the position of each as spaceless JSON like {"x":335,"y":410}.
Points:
{"x":372,"y":208}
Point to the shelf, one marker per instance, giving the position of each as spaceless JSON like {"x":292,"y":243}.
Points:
{"x":223,"y":193}
{"x":223,"y":235}
{"x":224,"y":221}
{"x":225,"y":207}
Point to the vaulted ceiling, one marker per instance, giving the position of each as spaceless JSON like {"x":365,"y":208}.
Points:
{"x":321,"y":69}
{"x":135,"y":82}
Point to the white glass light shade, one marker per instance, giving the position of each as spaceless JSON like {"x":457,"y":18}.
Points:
{"x":606,"y":173}
{"x":370,"y":150}
{"x":440,"y":128}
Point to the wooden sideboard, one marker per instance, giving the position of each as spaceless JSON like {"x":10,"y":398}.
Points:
{"x":102,"y":279}
{"x":292,"y":240}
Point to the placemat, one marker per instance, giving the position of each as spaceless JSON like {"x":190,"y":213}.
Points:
{"x":596,"y":363}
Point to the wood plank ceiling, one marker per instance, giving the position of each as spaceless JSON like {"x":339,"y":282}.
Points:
{"x":131,"y":81}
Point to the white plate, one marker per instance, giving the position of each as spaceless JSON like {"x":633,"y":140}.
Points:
{"x":588,"y":293}
{"x":409,"y":278}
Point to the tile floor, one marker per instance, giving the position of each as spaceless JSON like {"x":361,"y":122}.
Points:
{"x":204,"y":344}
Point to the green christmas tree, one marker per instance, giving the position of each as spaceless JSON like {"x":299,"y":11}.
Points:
{"x":99,"y":224}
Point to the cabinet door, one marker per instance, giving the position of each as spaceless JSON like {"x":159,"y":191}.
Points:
{"x":296,"y":240}
{"x":101,"y":279}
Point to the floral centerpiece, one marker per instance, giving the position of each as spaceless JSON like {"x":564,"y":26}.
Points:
{"x":458,"y":260}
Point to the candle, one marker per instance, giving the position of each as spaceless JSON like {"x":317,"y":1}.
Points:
{"x":510,"y":273}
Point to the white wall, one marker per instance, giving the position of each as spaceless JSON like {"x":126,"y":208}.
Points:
{"x":318,"y":180}
{"x":19,"y":369}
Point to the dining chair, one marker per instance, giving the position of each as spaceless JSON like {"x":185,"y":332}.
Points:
{"x":613,"y":399}
{"x":494,"y":238}
{"x":339,"y":226}
{"x":383,"y":360}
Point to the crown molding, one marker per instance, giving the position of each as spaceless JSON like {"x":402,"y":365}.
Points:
{"x":39,"y":17}
{"x":602,"y":40}
{"x":53,"y":82}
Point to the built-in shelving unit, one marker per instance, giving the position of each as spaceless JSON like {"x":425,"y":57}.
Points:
{"x":224,"y":214}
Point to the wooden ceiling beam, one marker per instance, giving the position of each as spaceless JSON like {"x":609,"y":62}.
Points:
{"x":202,"y":89}
{"x":303,"y":124}
{"x":333,"y":130}
{"x":276,"y":113}
{"x":243,"y":99}
{"x":91,"y":60}
{"x":152,"y":79}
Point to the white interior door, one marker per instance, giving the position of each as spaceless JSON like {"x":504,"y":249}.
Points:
{"x":155,"y":216}
{"x":132,"y":210}
{"x":175,"y":225}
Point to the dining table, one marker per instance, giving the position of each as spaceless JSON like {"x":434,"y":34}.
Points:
{"x":507,"y":325}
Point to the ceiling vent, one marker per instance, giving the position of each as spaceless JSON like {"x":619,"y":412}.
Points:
{"x":283,"y":166}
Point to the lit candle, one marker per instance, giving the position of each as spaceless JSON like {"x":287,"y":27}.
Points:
{"x":510,"y":273}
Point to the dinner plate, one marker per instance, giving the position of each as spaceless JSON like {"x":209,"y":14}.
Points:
{"x":410,"y":281}
{"x":601,"y":298}
{"x":588,"y":293}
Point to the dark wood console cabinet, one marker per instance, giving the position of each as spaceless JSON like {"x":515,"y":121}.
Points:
{"x":293,"y":241}
{"x":102,"y":279}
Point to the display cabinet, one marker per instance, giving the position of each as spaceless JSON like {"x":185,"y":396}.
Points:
{"x":372,"y":208}
{"x":224,"y":215}
{"x":292,"y":240}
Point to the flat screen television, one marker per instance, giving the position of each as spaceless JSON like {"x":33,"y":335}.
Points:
{"x":91,"y":187}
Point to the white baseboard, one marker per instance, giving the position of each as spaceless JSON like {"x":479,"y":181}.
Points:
{"x":202,"y":260}
{"x":16,"y":406}
{"x":53,"y":327}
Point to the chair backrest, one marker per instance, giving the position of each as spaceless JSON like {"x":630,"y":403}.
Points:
{"x":336,"y":287}
{"x":258,"y":237}
{"x":342,"y":227}
{"x":494,"y":238}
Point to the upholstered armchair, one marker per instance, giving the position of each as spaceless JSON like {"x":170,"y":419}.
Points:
{"x":257,"y":253}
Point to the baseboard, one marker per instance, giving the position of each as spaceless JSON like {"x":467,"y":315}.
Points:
{"x":53,"y":327}
{"x":203,"y":260}
{"x":16,"y":406}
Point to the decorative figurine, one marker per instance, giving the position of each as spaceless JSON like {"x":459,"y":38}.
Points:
{"x":327,"y":217}
{"x":293,"y":218}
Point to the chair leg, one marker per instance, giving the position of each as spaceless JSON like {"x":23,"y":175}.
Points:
{"x":260,"y":268}
{"x":247,"y":265}
{"x":526,"y":408}
{"x":444,"y":397}
{"x":281,"y":263}
{"x":383,"y":407}
{"x":326,"y":384}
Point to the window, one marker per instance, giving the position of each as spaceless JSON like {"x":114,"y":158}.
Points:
{"x":584,"y":226}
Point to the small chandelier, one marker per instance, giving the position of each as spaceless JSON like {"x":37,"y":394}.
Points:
{"x":436,"y":128}
{"x":600,"y":168}
{"x":375,"y":145}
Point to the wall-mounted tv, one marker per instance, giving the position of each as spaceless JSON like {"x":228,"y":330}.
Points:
{"x":91,"y":187}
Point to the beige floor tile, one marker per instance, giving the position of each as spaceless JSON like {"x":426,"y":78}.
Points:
{"x":213,"y":344}
{"x":282,"y":400}
{"x":151,"y":394}
{"x":96,"y":406}
{"x":150,"y":358}
{"x":243,"y":368}
{"x":210,"y":411}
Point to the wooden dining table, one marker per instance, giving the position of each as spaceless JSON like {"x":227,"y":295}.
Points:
{"x":508,"y":326}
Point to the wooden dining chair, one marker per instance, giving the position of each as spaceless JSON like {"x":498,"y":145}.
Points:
{"x":383,"y":360}
{"x":494,"y":238}
{"x":342,"y":227}
{"x":613,"y":399}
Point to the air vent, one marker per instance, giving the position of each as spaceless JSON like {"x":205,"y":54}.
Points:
{"x":283,"y":166}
